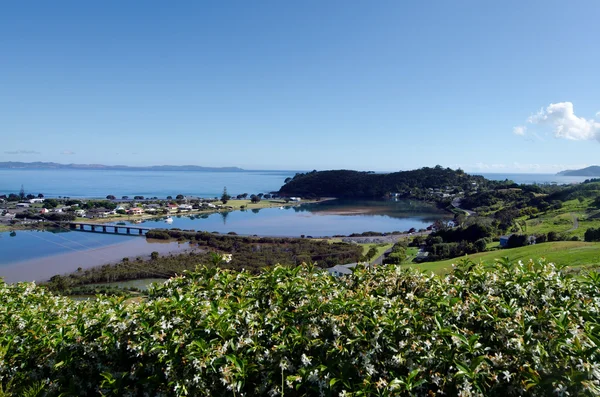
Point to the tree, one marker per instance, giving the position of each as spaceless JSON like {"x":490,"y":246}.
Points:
{"x":22,"y":193}
{"x":50,"y":203}
{"x":287,"y":180}
{"x":225,"y":197}
{"x":125,"y":197}
{"x":480,"y":245}
{"x":138,"y":197}
{"x":40,"y":195}
{"x":516,"y":240}
{"x":371,"y":253}
{"x":179,"y":197}
{"x":154,"y":255}
{"x":169,"y":197}
{"x":254,"y":199}
{"x":592,"y":234}
{"x":111,"y":197}
{"x":30,"y":196}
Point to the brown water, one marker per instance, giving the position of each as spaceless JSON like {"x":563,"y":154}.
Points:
{"x":41,"y":269}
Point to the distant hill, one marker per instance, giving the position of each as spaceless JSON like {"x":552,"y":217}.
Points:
{"x":56,"y":166}
{"x":592,"y":170}
{"x":349,"y":184}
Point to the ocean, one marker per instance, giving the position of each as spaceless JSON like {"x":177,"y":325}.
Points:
{"x":100,"y":183}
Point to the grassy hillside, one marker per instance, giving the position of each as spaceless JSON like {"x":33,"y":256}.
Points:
{"x":573,"y":253}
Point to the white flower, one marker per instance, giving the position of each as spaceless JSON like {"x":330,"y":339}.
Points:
{"x":305,"y":360}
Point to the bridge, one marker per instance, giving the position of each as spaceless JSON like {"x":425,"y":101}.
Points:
{"x":113,"y":229}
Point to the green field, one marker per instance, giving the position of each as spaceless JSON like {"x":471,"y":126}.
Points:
{"x":564,"y":219}
{"x":381,"y":248}
{"x":575,"y":253}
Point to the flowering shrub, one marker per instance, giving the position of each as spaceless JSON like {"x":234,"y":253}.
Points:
{"x":512,"y":329}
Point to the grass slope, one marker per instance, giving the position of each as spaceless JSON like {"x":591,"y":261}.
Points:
{"x":575,"y":253}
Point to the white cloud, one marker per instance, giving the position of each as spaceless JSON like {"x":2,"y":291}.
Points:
{"x":67,"y":152}
{"x":566,"y":124}
{"x":519,"y":130}
{"x":21,"y":152}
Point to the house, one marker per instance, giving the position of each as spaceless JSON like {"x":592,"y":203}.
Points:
{"x":9,"y":216}
{"x":136,"y":211}
{"x":99,"y":213}
{"x":295,"y":199}
{"x":185,"y":207}
{"x":172,"y":207}
{"x":22,"y":205}
{"x":504,"y":241}
{"x":36,"y":200}
{"x":80,"y":213}
{"x":342,"y":270}
{"x":44,"y":211}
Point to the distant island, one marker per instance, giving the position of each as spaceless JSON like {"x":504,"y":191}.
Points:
{"x":592,"y":170}
{"x":56,"y":166}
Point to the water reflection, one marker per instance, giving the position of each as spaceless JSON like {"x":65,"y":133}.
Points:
{"x":335,"y":217}
{"x":224,"y":215}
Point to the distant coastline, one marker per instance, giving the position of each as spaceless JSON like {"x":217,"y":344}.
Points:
{"x":592,"y":171}
{"x":57,"y":166}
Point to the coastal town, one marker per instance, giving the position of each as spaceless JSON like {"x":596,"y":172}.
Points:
{"x":26,"y":210}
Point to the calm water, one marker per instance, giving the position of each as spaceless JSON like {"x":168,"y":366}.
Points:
{"x":317,"y":220}
{"x":535,"y":178}
{"x":37,"y":255}
{"x":91,"y":183}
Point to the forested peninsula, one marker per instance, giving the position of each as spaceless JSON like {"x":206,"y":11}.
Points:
{"x":360,"y":184}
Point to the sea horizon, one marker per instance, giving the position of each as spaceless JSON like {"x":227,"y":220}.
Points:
{"x":78,"y":183}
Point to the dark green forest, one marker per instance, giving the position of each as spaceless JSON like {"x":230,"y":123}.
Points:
{"x":359,"y":184}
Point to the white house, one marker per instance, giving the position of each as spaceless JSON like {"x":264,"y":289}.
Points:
{"x":342,"y":270}
{"x":23,"y":205}
{"x":36,"y":200}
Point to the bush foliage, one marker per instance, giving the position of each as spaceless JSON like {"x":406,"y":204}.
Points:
{"x":514,"y":329}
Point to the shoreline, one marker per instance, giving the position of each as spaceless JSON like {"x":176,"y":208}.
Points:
{"x":4,"y":228}
{"x":69,"y":262}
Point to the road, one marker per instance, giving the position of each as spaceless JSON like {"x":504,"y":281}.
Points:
{"x":575,"y":223}
{"x":379,"y":260}
{"x":456,"y":204}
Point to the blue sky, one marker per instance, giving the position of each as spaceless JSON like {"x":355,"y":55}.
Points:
{"x":507,"y":86}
